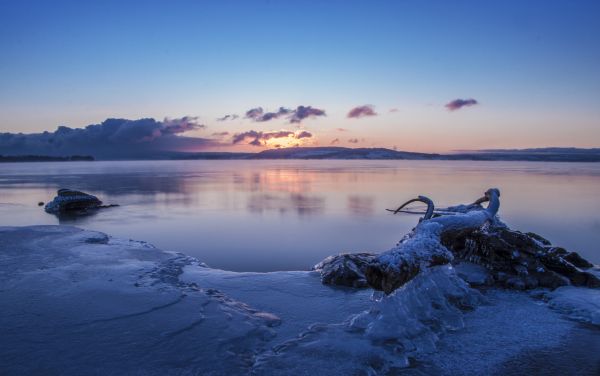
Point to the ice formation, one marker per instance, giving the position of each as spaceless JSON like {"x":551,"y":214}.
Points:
{"x":79,"y":302}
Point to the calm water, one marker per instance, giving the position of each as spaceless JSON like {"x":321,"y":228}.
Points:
{"x":288,"y":215}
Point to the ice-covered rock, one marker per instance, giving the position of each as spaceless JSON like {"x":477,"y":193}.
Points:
{"x":396,"y":328}
{"x":473,"y":274}
{"x":468,"y":233}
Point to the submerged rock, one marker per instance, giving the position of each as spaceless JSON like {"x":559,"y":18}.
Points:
{"x":71,"y":201}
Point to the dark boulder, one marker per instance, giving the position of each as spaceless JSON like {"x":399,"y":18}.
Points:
{"x":346,"y":269}
{"x":519,"y":260}
{"x":68,"y":200}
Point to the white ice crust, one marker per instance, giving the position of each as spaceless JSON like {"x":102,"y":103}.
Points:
{"x":78,"y":302}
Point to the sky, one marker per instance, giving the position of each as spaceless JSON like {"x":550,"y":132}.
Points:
{"x":428,"y":76}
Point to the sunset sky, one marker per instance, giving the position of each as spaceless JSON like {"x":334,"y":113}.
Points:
{"x":432,"y":76}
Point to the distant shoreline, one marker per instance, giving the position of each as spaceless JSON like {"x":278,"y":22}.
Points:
{"x":44,"y":158}
{"x":341,"y":153}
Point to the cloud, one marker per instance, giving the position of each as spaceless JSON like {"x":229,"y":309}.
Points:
{"x":341,"y":129}
{"x":303,"y":112}
{"x":220,"y":134}
{"x":335,"y":141}
{"x":459,"y":103}
{"x":113,"y":138}
{"x":361,"y":111}
{"x":228,"y":117}
{"x":259,"y":115}
{"x":354,"y":140}
{"x":274,"y":115}
{"x":184,"y":124}
{"x":259,"y":138}
{"x":295,"y":116}
{"x":254,"y":113}
{"x":393,"y":110}
{"x":304,"y":134}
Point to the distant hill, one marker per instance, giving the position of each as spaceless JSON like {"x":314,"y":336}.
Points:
{"x":339,"y":153}
{"x":545,"y":154}
{"x":551,"y":150}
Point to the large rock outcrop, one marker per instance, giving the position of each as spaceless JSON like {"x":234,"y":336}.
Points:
{"x":463,"y":233}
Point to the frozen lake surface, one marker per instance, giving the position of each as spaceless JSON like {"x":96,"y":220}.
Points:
{"x":289,"y":215}
{"x":79,"y":302}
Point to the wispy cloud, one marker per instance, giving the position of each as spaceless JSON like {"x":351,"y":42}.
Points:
{"x":393,"y":110}
{"x":260,"y":138}
{"x":341,"y":129}
{"x":354,"y":140}
{"x":220,"y":134}
{"x":361,"y":111}
{"x":460,"y":103}
{"x":228,"y":117}
{"x":335,"y":141}
{"x":258,"y":114}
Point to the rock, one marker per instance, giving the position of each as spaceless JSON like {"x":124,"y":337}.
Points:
{"x":68,"y":200}
{"x":516,"y":283}
{"x":513,"y":256}
{"x":575,"y":259}
{"x":551,"y":280}
{"x":537,"y":237}
{"x":346,"y":269}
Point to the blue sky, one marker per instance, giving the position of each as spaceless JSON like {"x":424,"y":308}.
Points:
{"x":532,"y":66}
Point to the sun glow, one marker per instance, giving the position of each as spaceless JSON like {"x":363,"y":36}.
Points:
{"x":289,"y":141}
{"x":283,"y":142}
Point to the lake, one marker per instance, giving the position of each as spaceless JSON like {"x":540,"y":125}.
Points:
{"x":290,"y":214}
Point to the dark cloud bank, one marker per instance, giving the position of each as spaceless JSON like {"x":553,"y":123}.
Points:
{"x":113,"y":138}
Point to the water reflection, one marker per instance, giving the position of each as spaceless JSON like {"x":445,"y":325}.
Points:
{"x":268,"y":215}
{"x":361,"y":205}
{"x":294,"y":202}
